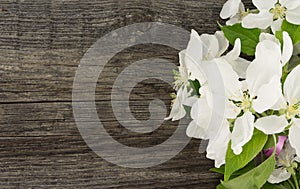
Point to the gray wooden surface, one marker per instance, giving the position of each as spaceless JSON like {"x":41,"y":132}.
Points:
{"x":41,"y":44}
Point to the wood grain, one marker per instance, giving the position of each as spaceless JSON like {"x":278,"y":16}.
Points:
{"x":41,"y":45}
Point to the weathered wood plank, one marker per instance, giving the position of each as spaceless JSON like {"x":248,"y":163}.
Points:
{"x":41,"y":45}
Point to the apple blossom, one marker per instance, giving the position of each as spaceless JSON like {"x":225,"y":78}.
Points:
{"x":271,"y":13}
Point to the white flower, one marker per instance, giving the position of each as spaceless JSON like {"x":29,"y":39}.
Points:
{"x":217,"y":146}
{"x":272,"y":12}
{"x":263,"y":90}
{"x":233,"y":9}
{"x":204,"y":51}
{"x":202,"y":114}
{"x":207,"y":49}
{"x":178,"y":111}
{"x":285,"y":161}
{"x":183,"y":96}
{"x":290,"y":103}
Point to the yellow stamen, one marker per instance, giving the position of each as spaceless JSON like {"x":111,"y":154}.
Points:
{"x":278,"y":11}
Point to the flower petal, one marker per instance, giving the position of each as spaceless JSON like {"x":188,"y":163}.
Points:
{"x":293,"y":15}
{"x":294,"y":134}
{"x":280,"y":104}
{"x":217,"y":146}
{"x":287,"y":50}
{"x":242,"y":132}
{"x":262,"y":20}
{"x":193,"y":67}
{"x":231,"y":111}
{"x":210,"y":46}
{"x":271,"y":124}
{"x":276,"y":25}
{"x":235,"y":52}
{"x":266,"y":65}
{"x":264,"y":4}
{"x":201,"y":113}
{"x":268,"y":95}
{"x":290,"y":4}
{"x":270,"y":37}
{"x":230,"y":8}
{"x":279,"y":175}
{"x":233,"y":20}
{"x":195,"y":47}
{"x":193,"y":57}
{"x":196,"y":131}
{"x":240,"y":66}
{"x":178,"y":111}
{"x":291,"y":91}
{"x":223,"y":42}
{"x":230,"y":79}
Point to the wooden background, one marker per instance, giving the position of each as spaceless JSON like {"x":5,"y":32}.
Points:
{"x":41,"y":44}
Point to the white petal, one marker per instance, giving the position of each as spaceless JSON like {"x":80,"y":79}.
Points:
{"x":264,"y":4}
{"x":276,"y":26}
{"x":205,"y":91}
{"x":244,"y":85}
{"x":201,"y":113}
{"x":193,"y":67}
{"x":235,"y":52}
{"x":189,"y":101}
{"x":231,"y":111}
{"x":279,"y":175}
{"x":217,"y":146}
{"x":223,"y":42}
{"x":266,"y":36}
{"x":294,"y":134}
{"x":287,"y":50}
{"x":271,"y":124}
{"x":210,"y":46}
{"x":238,"y":17}
{"x":195,"y":47}
{"x":291,"y":86}
{"x":290,"y":4}
{"x":230,"y":8}
{"x":240,"y":66}
{"x":177,"y":111}
{"x":196,"y":131}
{"x":280,"y":104}
{"x":193,"y":56}
{"x":262,"y":20}
{"x":242,"y":132}
{"x":230,"y":79}
{"x":293,"y":15}
{"x":268,"y":95}
{"x":233,"y":20}
{"x":265,"y":66}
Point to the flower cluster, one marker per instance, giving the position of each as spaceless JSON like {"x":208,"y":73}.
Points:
{"x":246,"y":107}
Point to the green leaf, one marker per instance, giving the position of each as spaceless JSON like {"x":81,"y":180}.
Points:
{"x":293,"y":30}
{"x":270,"y":142}
{"x":249,"y":37}
{"x":279,"y":36}
{"x":284,"y":185}
{"x":195,"y":85}
{"x":250,"y":151}
{"x":220,"y":170}
{"x":244,"y":170}
{"x":294,"y":62}
{"x":253,"y":179}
